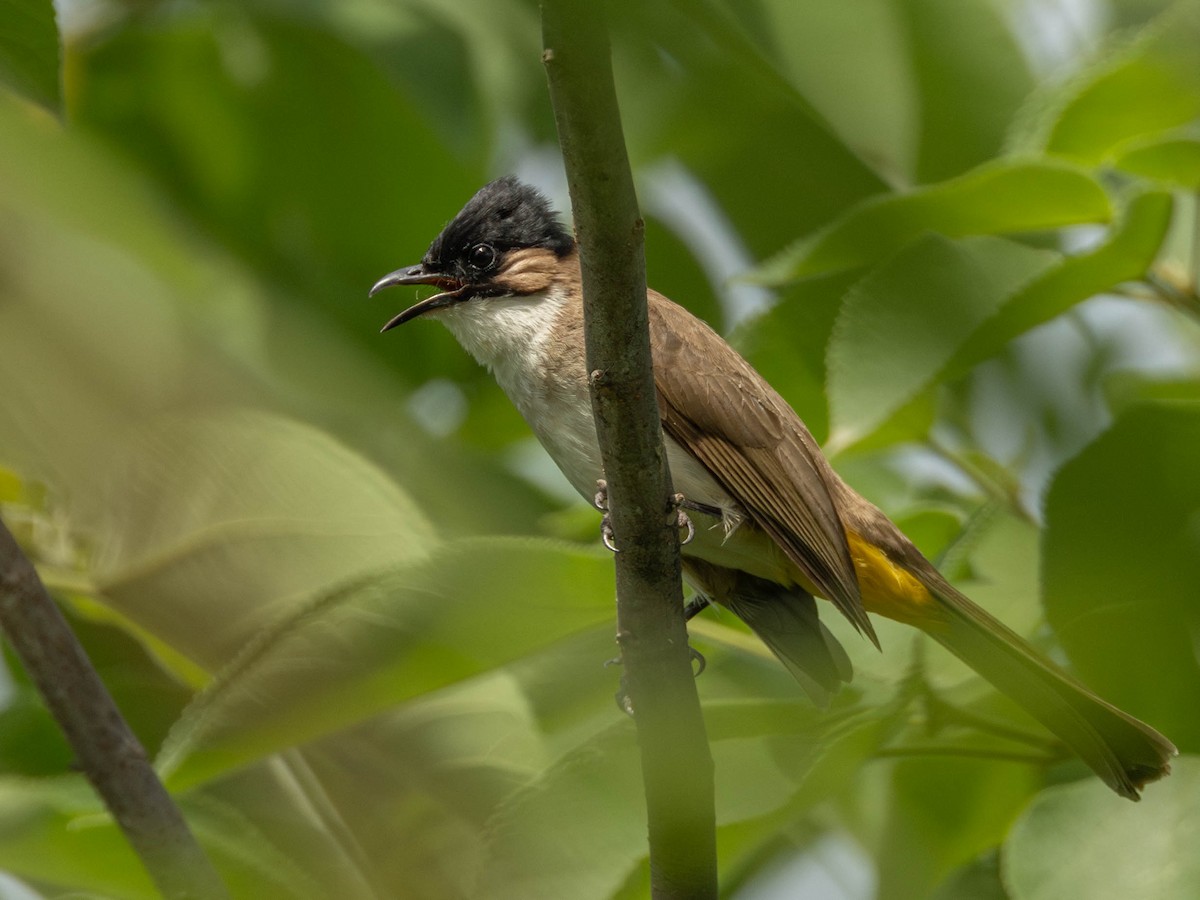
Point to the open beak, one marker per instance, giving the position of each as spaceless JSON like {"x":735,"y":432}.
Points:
{"x":418,"y":274}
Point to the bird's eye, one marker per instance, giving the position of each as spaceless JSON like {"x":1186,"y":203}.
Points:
{"x":482,"y":256}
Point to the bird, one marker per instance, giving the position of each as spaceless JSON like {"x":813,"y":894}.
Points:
{"x":773,"y":525}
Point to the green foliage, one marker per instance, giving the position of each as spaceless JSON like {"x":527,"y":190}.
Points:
{"x":29,"y":50}
{"x":1076,"y":841}
{"x":307,"y":559}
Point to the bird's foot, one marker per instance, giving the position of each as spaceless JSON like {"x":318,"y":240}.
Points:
{"x":676,"y":515}
{"x":681,"y":518}
{"x":601,"y":503}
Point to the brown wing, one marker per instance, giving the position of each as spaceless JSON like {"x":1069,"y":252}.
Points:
{"x":726,"y":415}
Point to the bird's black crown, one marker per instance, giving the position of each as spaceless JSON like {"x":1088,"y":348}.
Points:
{"x":504,"y":215}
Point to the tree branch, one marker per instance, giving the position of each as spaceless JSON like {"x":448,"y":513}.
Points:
{"x":107,"y":751}
{"x":676,"y":761}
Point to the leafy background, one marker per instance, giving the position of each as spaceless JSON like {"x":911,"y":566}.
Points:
{"x":345,"y":602}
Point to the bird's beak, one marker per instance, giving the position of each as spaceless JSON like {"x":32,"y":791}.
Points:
{"x":418,"y":274}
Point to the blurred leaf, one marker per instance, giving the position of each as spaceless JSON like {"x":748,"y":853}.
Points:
{"x":1126,"y":390}
{"x":1081,"y":842}
{"x":886,"y":348}
{"x":1149,"y":86}
{"x":29,"y":51}
{"x":53,"y":831}
{"x":238,"y":517}
{"x":970,"y":76}
{"x":149,"y":697}
{"x":695,"y":55}
{"x":1122,"y":562}
{"x":1173,"y":160}
{"x":578,"y":828}
{"x":943,"y":813}
{"x":978,"y":880}
{"x":244,"y":121}
{"x":577,"y":831}
{"x":671,"y":269}
{"x":417,"y":785}
{"x":853,"y":63}
{"x":31,"y":742}
{"x":1000,"y":197}
{"x":356,"y":650}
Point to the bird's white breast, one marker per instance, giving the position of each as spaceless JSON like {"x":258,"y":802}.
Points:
{"x":538,"y":360}
{"x":520,"y":340}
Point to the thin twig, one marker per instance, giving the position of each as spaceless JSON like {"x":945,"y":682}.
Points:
{"x":107,"y":751}
{"x":676,"y":762}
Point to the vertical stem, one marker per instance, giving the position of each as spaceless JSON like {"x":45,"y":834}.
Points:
{"x":676,"y":761}
{"x":107,"y":751}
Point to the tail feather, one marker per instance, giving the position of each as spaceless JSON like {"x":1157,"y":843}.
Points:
{"x":785,"y":619}
{"x":787,"y":622}
{"x":1126,"y":753}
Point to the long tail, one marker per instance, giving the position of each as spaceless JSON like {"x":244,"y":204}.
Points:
{"x":1126,"y":753}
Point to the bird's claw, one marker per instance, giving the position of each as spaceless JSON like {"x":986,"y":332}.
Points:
{"x":682,"y":519}
{"x":678,"y":517}
{"x":601,"y":503}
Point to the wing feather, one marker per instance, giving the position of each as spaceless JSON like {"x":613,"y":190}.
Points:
{"x":756,"y":447}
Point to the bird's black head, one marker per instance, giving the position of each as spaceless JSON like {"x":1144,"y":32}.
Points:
{"x":469,"y":257}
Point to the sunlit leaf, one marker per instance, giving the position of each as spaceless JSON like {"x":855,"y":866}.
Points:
{"x":1080,"y":841}
{"x":1148,"y":86}
{"x":29,"y":50}
{"x":997,"y":198}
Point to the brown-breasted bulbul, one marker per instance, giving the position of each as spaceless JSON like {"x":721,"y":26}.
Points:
{"x":775,"y":526}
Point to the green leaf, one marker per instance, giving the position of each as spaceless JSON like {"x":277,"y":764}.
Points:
{"x":944,"y":812}
{"x":29,"y":51}
{"x":1126,"y":254}
{"x":1081,"y":842}
{"x":241,"y":119}
{"x":276,"y":512}
{"x":678,"y":58}
{"x":1173,"y":160}
{"x":1150,"y":86}
{"x":53,"y":831}
{"x":468,"y":608}
{"x":1122,"y":561}
{"x":968,"y":86}
{"x":577,"y":831}
{"x":997,"y":198}
{"x":903,"y":323}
